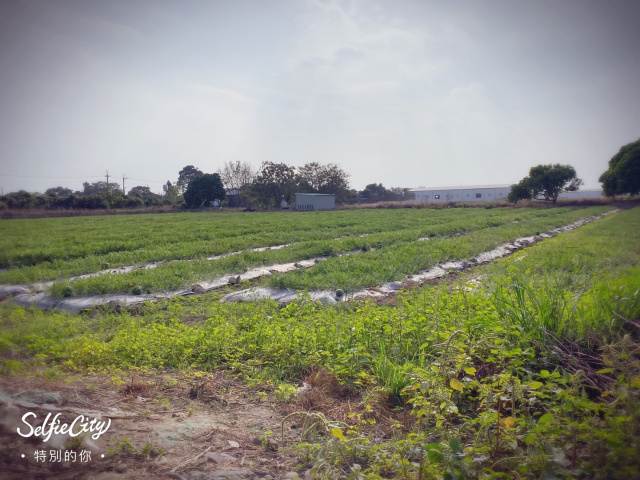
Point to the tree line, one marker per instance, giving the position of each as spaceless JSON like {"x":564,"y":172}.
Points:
{"x":238,"y":184}
{"x":235,"y":184}
{"x":274,"y":185}
{"x":547,"y":182}
{"x":97,"y":195}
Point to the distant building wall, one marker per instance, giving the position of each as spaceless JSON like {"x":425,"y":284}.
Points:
{"x":484,"y":193}
{"x":315,"y":201}
{"x":592,"y":193}
{"x":478,"y":193}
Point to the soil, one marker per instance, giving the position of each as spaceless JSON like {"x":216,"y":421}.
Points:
{"x":183,"y":426}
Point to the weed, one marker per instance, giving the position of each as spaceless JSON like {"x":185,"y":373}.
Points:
{"x":122,"y":445}
{"x":163,"y":401}
{"x":285,"y":393}
{"x":151,"y":451}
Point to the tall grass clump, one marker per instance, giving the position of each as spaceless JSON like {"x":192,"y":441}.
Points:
{"x":580,"y":287}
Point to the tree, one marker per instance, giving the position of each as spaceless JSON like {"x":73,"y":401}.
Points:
{"x":274,"y":181}
{"x":171,"y":194}
{"x":520,"y":191}
{"x":58,"y":192}
{"x":98,"y":188}
{"x":149,"y":199}
{"x":315,"y":178}
{"x":140,"y":192}
{"x":204,"y":189}
{"x":334,"y":180}
{"x":399,"y":194}
{"x":236,"y":175}
{"x":186,"y":175}
{"x":20,"y":199}
{"x":309,"y":177}
{"x":623,"y":175}
{"x":374,"y":193}
{"x":91,"y":202}
{"x":547,"y":181}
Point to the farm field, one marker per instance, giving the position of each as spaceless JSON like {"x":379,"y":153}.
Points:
{"x":392,"y":241}
{"x":528,"y":367}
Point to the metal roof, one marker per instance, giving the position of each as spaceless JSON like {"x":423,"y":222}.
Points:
{"x":318,"y":194}
{"x":459,"y":187}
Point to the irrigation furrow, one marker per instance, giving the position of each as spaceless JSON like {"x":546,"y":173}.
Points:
{"x":12,"y":290}
{"x":77,"y":304}
{"x":8,"y":290}
{"x":329,"y":297}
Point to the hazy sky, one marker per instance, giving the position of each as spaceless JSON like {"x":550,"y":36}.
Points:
{"x":404,"y":92}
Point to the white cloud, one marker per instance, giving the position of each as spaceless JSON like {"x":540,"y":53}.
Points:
{"x":349,"y":48}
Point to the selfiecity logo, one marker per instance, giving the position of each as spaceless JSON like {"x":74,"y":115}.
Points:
{"x":49,"y":427}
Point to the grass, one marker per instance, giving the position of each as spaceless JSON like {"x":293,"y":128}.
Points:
{"x":392,"y":263}
{"x":571,"y":287}
{"x":535,"y":373}
{"x":484,"y":229}
{"x":303,"y":335}
{"x":55,"y":248}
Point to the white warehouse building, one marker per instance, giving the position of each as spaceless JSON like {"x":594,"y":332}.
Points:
{"x":475,"y":193}
{"x":586,"y":193}
{"x":309,"y":202}
{"x":484,"y":193}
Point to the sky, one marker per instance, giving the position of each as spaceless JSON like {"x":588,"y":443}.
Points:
{"x":406,"y":93}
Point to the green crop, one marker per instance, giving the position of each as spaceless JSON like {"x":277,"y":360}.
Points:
{"x":390,"y":239}
{"x":530,"y":370}
{"x":55,"y":248}
{"x":392,"y":263}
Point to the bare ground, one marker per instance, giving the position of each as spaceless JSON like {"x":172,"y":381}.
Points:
{"x":194,"y":426}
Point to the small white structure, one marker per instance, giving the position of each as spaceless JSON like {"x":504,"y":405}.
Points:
{"x":315,"y":201}
{"x":474,"y":193}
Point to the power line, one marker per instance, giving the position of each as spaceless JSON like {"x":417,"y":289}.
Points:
{"x":141,"y":180}
{"x":37,"y":176}
{"x":84,"y":176}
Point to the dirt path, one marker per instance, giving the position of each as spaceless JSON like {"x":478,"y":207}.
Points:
{"x":166,"y":425}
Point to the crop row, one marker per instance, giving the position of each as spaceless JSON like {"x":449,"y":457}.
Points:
{"x":145,"y":238}
{"x":393,"y":263}
{"x":47,"y":250}
{"x":303,"y":335}
{"x":388,"y":256}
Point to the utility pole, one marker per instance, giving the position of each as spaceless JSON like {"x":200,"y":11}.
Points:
{"x":108,"y":193}
{"x":123,"y":179}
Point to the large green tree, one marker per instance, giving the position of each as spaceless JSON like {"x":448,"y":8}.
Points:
{"x":623,"y":175}
{"x":316,"y":178}
{"x":186,"y":175}
{"x":273,"y":182}
{"x":546,"y":182}
{"x":520,"y":191}
{"x":204,"y":189}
